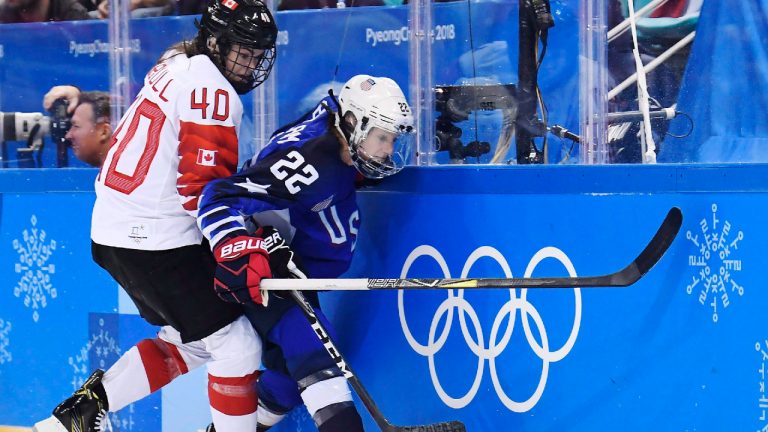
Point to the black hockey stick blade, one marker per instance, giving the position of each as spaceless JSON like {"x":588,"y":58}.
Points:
{"x":654,"y":250}
{"x":652,"y":253}
{"x":386,"y":426}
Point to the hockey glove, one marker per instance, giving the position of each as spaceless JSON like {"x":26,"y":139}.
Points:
{"x":283,"y":262}
{"x":242,"y":263}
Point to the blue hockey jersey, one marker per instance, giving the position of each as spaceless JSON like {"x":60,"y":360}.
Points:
{"x":298,"y":184}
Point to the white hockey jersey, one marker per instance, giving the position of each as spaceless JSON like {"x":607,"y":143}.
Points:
{"x":179,"y":133}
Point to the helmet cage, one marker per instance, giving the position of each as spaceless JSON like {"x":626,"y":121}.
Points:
{"x":376,"y":167}
{"x":259,"y":67}
{"x":377,"y":103}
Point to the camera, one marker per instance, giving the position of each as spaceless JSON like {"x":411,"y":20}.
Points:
{"x":61,"y":121}
{"x":31,"y":128}
{"x":456,"y":103}
{"x":449,"y":139}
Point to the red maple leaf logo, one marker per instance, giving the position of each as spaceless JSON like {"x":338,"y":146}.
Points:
{"x":206,"y":157}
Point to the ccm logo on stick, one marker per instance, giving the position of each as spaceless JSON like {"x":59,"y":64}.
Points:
{"x":383,"y":283}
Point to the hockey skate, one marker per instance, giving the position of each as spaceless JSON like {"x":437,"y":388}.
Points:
{"x":84,"y":411}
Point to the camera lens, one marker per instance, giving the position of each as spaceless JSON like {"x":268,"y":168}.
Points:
{"x":61,"y":121}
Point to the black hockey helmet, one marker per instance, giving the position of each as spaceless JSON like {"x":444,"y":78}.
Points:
{"x":248,"y":24}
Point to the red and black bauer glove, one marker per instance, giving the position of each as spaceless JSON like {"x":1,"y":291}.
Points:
{"x":242,"y":262}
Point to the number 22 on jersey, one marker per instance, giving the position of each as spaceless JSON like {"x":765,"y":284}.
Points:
{"x":293,"y":169}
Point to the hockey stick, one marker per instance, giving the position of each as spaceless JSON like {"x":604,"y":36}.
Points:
{"x":381,"y":421}
{"x":625,"y":277}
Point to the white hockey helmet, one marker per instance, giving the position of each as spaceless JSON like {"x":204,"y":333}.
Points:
{"x":377,"y":102}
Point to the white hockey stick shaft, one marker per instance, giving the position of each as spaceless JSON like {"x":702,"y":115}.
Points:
{"x":314,"y":284}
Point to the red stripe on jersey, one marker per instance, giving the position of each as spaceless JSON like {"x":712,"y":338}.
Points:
{"x":233,"y":396}
{"x":195,"y":139}
{"x":162,"y":362}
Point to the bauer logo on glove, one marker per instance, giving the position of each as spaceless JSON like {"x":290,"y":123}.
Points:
{"x":271,"y":238}
{"x":232,"y":250}
{"x":242,"y":263}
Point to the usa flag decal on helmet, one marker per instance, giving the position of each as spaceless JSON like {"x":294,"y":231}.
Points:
{"x":367,"y":84}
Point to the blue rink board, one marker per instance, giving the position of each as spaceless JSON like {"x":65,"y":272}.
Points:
{"x":683,"y":349}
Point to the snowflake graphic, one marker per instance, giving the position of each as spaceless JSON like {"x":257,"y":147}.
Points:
{"x":35,"y":284}
{"x":106,"y":349}
{"x":102,"y":344}
{"x":5,"y":330}
{"x":123,"y":421}
{"x":715,"y":265}
{"x":762,"y":401}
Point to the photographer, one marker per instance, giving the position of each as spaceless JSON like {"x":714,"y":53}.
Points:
{"x":31,"y":129}
{"x":90,"y":132}
{"x":70,"y":94}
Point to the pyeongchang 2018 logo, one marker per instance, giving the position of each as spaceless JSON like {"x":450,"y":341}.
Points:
{"x":455,"y":304}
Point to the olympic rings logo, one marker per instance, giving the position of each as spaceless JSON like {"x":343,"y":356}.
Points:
{"x":456,"y":302}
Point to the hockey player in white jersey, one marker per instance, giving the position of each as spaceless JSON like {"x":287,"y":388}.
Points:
{"x":180,"y":132}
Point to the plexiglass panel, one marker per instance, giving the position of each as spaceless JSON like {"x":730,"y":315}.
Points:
{"x":108,"y":52}
{"x":668,"y":81}
{"x":492,"y":82}
{"x":35,"y":58}
{"x":502,"y":74}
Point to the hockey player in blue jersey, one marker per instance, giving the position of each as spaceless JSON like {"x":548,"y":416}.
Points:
{"x":300,"y":190}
